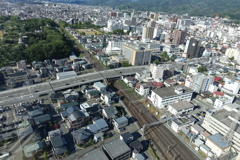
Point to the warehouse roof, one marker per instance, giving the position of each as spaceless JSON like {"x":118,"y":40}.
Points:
{"x":181,"y":105}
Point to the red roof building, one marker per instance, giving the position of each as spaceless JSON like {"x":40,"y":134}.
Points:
{"x":218,"y":94}
{"x":157,"y":84}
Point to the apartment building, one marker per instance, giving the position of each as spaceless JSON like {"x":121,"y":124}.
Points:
{"x":162,"y":97}
{"x":219,"y":122}
{"x":157,"y":71}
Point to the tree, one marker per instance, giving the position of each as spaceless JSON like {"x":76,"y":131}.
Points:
{"x":231,"y":58}
{"x":45,"y":155}
{"x":125,"y":64}
{"x":202,"y":69}
{"x":82,"y":33}
{"x":65,"y":153}
{"x":110,"y":66}
{"x":173,"y":57}
{"x":156,"y":61}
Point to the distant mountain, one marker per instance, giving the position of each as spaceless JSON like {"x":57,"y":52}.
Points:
{"x":230,"y":8}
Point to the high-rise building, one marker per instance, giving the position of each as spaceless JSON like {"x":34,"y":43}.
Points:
{"x":112,"y":14}
{"x":137,"y":55}
{"x":154,"y":16}
{"x":200,"y":82}
{"x":151,"y":24}
{"x":133,"y":19}
{"x":157,"y":32}
{"x":157,"y":71}
{"x":147,"y":32}
{"x":193,"y":47}
{"x":179,"y":37}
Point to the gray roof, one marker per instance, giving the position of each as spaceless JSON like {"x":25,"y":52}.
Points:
{"x":169,"y":91}
{"x":110,"y":111}
{"x":43,"y":118}
{"x":116,"y":148}
{"x":198,"y":127}
{"x":181,"y":105}
{"x":121,"y":119}
{"x":60,"y":150}
{"x":76,"y":115}
{"x":93,"y":127}
{"x":23,"y":132}
{"x":126,"y":135}
{"x":218,"y":140}
{"x":101,"y":123}
{"x":95,"y":154}
{"x":99,"y":85}
{"x":56,"y":141}
{"x":81,"y":134}
{"x":35,"y":112}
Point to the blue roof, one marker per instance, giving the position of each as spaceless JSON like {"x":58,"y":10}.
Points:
{"x":218,"y":140}
{"x":101,"y":123}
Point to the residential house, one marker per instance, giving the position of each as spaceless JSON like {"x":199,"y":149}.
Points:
{"x":157,"y":84}
{"x":143,"y":90}
{"x":110,"y":112}
{"x":143,"y":76}
{"x":33,"y":148}
{"x":99,"y":125}
{"x":169,"y":82}
{"x":107,"y":97}
{"x":130,"y":81}
{"x":35,"y":113}
{"x":136,"y":146}
{"x":98,"y":137}
{"x":100,"y":87}
{"x":42,"y":119}
{"x":81,"y":136}
{"x":218,"y":94}
{"x":96,"y":154}
{"x":56,"y":96}
{"x":180,"y":107}
{"x":55,"y":137}
{"x":93,"y":93}
{"x":126,"y":137}
{"x":204,"y":135}
{"x":120,"y":123}
{"x":70,"y":95}
{"x":117,"y":150}
{"x":197,"y":129}
{"x":76,"y":118}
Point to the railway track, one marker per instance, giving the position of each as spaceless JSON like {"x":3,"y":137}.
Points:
{"x":167,"y":144}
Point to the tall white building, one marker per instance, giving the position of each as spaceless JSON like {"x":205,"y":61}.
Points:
{"x":233,"y":52}
{"x":164,"y":96}
{"x":201,"y":82}
{"x":157,"y":71}
{"x":231,"y":87}
{"x":115,"y":46}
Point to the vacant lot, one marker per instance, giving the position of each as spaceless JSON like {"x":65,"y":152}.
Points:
{"x":1,"y":35}
{"x":88,"y":31}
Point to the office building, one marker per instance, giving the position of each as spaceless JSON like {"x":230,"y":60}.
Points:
{"x":137,"y":55}
{"x":151,"y":24}
{"x":193,"y":47}
{"x":154,"y":16}
{"x":179,"y":37}
{"x":164,"y":96}
{"x":147,"y":33}
{"x":112,"y":14}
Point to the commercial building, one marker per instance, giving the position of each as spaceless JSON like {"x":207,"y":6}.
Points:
{"x":164,"y":96}
{"x":180,"y":107}
{"x":193,"y":47}
{"x":179,"y":37}
{"x":220,"y":122}
{"x":231,"y":87}
{"x":233,"y":52}
{"x":64,"y":75}
{"x":137,"y":55}
{"x":147,"y":32}
{"x":117,"y":150}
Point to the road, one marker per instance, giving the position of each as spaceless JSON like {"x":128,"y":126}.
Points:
{"x":14,"y":96}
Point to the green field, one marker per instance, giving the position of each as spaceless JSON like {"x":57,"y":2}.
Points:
{"x":89,"y":31}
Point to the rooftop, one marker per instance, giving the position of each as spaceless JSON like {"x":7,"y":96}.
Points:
{"x":94,"y":154}
{"x":116,"y":148}
{"x":218,"y":140}
{"x":170,"y":91}
{"x":181,"y":105}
